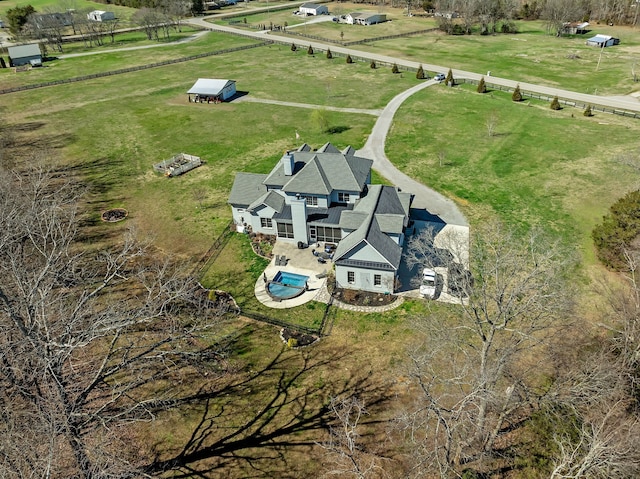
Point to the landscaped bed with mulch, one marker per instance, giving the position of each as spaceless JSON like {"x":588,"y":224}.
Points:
{"x":297,"y":339}
{"x":363,"y":298}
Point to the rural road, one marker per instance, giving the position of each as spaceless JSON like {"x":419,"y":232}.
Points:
{"x":623,"y":103}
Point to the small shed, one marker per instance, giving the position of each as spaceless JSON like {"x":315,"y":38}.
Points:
{"x":603,"y":41}
{"x":574,"y":28}
{"x":313,"y":9}
{"x":208,"y":90}
{"x":101,"y":16}
{"x":25,"y":55}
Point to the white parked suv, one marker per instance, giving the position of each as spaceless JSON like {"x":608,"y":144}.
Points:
{"x":428,"y":285}
{"x":440,"y":77}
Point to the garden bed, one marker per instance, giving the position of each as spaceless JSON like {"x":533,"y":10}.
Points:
{"x":363,"y":298}
{"x":296,"y":339}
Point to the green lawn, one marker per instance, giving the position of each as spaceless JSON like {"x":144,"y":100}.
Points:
{"x":124,"y":13}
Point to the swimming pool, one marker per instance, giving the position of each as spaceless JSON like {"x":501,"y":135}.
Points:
{"x":286,"y":285}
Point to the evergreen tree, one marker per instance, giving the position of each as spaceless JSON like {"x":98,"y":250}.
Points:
{"x":555,"y":104}
{"x":329,"y":54}
{"x":18,"y":17}
{"x":293,"y":47}
{"x":310,"y":50}
{"x":482,"y":87}
{"x":349,"y":59}
{"x":587,"y":111}
{"x":373,"y":64}
{"x":516,"y":95}
{"x":197,"y":7}
{"x":449,"y":81}
{"x":394,"y":69}
{"x":420,"y":73}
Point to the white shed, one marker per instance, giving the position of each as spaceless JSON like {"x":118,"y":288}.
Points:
{"x":209,"y":89}
{"x":100,"y":16}
{"x":313,"y":9}
{"x":602,"y":41}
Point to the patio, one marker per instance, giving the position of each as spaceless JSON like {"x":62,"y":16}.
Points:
{"x":298,"y":261}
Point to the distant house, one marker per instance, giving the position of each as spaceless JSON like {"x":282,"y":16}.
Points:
{"x":365,"y":18}
{"x":208,"y":89}
{"x":100,"y":16}
{"x":25,"y":55}
{"x":574,"y":28}
{"x":326,"y":195}
{"x":45,"y":20}
{"x":447,"y":15}
{"x":313,"y":9}
{"x":602,"y":41}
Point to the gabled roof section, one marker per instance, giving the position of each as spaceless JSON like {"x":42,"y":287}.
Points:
{"x":371,"y":234}
{"x":389,"y":206}
{"x":271,"y":199}
{"x":304,"y":147}
{"x":209,"y":86}
{"x":328,"y":148}
{"x":311,"y":179}
{"x":247,"y":188}
{"x":349,"y":151}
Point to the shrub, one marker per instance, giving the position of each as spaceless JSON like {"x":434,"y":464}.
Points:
{"x":555,"y":104}
{"x":587,"y":111}
{"x":394,"y":69}
{"x":449,"y":81}
{"x":618,"y":231}
{"x":516,"y":95}
{"x":292,"y":343}
{"x":482,"y":87}
{"x":310,"y":50}
{"x":420,"y":73}
{"x":293,"y":47}
{"x":329,"y":54}
{"x":373,"y":64}
{"x":349,"y":59}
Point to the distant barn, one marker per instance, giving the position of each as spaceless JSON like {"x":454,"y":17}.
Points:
{"x":25,"y":55}
{"x":208,"y":89}
{"x":603,"y":41}
{"x":100,"y":16}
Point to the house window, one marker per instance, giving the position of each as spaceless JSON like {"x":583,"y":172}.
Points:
{"x":343,"y":197}
{"x":285,"y":230}
{"x":351,"y":277}
{"x":311,"y":200}
{"x":377,"y":280}
{"x":266,"y":223}
{"x":326,"y":233}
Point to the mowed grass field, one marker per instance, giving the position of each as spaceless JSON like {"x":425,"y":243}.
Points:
{"x":124,"y":13}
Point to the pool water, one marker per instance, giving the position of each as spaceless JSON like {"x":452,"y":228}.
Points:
{"x":287,"y":285}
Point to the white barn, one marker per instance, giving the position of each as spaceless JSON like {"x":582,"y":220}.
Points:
{"x":207,"y":89}
{"x":100,"y":16}
{"x":313,"y":9}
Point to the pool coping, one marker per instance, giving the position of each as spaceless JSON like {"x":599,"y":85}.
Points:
{"x":315,"y":286}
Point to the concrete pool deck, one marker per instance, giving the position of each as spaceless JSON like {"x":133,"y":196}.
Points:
{"x":299,"y":261}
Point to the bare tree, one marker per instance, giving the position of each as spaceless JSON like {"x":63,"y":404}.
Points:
{"x":345,"y":453}
{"x":491,"y":123}
{"x":557,"y":12}
{"x":88,"y":343}
{"x":471,"y":371}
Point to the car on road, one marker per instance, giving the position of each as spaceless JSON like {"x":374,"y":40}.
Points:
{"x":439,"y":77}
{"x":428,"y":285}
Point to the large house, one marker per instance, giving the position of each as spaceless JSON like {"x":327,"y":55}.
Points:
{"x":326,"y":195}
{"x":365,"y":18}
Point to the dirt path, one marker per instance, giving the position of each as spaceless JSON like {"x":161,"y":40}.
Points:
{"x":310,"y":106}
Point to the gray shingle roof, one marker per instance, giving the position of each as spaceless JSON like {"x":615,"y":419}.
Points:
{"x":371,"y":233}
{"x":271,"y":199}
{"x":388,"y":205}
{"x":247,"y":187}
{"x":321,"y":172}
